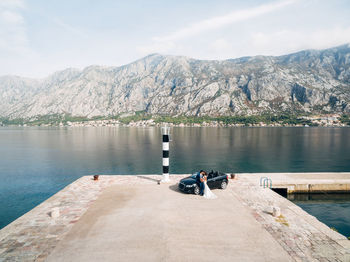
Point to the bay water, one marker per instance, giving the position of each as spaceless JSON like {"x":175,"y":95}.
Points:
{"x":331,"y":209}
{"x":37,"y":162}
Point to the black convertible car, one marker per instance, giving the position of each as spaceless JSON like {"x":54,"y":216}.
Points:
{"x":215,"y":180}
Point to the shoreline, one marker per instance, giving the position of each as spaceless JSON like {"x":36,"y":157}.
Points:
{"x":141,"y":119}
{"x":111,"y":123}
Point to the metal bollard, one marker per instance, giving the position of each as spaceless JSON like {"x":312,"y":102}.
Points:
{"x":55,"y":212}
{"x":276,"y":211}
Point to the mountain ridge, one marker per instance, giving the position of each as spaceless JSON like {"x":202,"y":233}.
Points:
{"x":347,"y":45}
{"x":308,"y":81}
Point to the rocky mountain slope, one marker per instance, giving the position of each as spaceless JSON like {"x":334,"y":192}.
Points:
{"x":308,"y":81}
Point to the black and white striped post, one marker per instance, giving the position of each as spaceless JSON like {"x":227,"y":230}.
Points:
{"x":165,"y":146}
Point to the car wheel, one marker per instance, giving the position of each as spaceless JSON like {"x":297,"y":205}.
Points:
{"x":196,"y":190}
{"x":223,"y":184}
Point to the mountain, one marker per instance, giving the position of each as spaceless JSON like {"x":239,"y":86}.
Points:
{"x":311,"y":81}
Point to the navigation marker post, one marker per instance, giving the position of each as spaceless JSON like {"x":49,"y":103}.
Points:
{"x":165,"y":146}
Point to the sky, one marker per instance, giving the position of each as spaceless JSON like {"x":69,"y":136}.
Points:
{"x":39,"y":37}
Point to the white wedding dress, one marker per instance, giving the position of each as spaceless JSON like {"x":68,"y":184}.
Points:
{"x":207,"y":192}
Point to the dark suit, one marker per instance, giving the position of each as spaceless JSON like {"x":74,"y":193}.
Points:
{"x":200,"y":183}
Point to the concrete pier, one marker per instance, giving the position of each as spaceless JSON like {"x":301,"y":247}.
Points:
{"x":336,"y":182}
{"x":129,"y":218}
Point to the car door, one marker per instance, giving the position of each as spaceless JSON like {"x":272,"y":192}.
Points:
{"x":210,"y":181}
{"x":216,"y":179}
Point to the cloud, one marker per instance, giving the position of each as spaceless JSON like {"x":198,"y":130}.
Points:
{"x":10,"y":17}
{"x":12,"y":26}
{"x":10,"y":12}
{"x":220,"y":44}
{"x":11,"y":4}
{"x":164,"y":43}
{"x":221,"y":21}
{"x":68,"y":27}
{"x":15,"y":49}
{"x":286,"y":41}
{"x":330,"y":37}
{"x":156,"y":47}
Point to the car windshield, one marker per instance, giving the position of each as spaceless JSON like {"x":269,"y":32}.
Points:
{"x":194,"y":175}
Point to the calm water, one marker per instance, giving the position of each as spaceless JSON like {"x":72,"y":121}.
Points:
{"x":37,"y":162}
{"x":331,"y":209}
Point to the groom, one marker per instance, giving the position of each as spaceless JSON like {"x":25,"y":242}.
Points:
{"x":200,"y":181}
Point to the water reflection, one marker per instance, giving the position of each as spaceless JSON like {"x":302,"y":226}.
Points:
{"x":262,"y":149}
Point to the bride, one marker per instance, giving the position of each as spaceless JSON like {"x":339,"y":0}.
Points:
{"x":207,"y":192}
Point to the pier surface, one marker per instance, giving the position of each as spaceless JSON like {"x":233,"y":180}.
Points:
{"x":132,"y":218}
{"x":338,"y":182}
